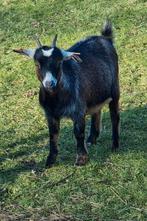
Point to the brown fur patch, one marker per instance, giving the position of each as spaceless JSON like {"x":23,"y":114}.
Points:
{"x":38,"y":72}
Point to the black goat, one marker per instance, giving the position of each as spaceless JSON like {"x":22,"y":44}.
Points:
{"x":77,"y":82}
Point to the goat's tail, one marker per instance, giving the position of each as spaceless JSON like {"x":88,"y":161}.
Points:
{"x":107,"y":31}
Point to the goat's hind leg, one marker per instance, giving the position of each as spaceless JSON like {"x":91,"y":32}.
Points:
{"x":95,"y":128}
{"x":115,"y":118}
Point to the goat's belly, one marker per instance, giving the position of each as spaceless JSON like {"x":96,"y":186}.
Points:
{"x":95,"y":109}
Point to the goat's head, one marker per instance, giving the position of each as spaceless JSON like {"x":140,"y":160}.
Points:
{"x":48,"y":60}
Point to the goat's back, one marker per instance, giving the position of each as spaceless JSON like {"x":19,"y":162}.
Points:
{"x":98,"y":72}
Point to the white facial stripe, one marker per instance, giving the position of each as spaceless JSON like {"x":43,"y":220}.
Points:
{"x":48,"y":53}
{"x":48,"y":78}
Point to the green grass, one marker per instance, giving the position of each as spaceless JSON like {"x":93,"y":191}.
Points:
{"x":112,"y":186}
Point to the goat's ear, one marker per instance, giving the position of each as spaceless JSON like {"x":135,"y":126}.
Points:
{"x":68,"y":55}
{"x":28,"y":52}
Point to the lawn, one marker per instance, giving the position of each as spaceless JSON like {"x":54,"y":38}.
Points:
{"x":112,"y":186}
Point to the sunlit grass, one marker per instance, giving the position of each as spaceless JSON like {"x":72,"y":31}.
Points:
{"x":112,"y":185}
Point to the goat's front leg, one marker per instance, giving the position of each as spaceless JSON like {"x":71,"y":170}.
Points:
{"x":79,"y":131}
{"x":54,"y":125}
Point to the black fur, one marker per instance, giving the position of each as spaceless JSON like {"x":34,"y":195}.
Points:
{"x":82,"y":86}
{"x":107,"y":30}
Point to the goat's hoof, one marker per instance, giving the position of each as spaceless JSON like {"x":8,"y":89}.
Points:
{"x":81,"y":160}
{"x":48,"y":165}
{"x":91,"y":141}
{"x":114,"y":148}
{"x":50,"y":161}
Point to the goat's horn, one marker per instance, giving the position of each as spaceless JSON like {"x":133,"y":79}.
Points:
{"x":54,"y":41}
{"x":37,"y":41}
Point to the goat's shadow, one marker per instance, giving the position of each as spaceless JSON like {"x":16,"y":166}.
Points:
{"x":133,"y":128}
{"x":133,"y":139}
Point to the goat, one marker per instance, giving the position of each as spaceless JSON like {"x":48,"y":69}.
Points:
{"x":77,"y":82}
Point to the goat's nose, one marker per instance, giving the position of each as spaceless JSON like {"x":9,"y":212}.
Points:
{"x":52,"y":84}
